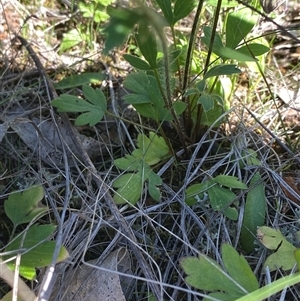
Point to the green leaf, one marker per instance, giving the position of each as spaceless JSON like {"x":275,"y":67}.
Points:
{"x":70,"y":39}
{"x":147,"y":44}
{"x":254,"y":49}
{"x":79,"y":80}
{"x":220,"y":199}
{"x":218,"y":44}
{"x":23,"y":207}
{"x":120,"y":25}
{"x":179,"y":107}
{"x":154,"y":148}
{"x":222,"y":69}
{"x":130,"y":188}
{"x":205,"y":274}
{"x":207,"y":101}
{"x":297,"y":257}
{"x":239,"y":23}
{"x":209,"y":117}
{"x":40,"y":254}
{"x":165,"y":6}
{"x":136,"y":62}
{"x":254,"y":212}
{"x":283,"y":258}
{"x":182,"y":8}
{"x":229,"y":181}
{"x":95,"y":96}
{"x":154,"y":180}
{"x":195,"y":191}
{"x":92,"y":110}
{"x":130,"y":163}
{"x":238,"y":268}
{"x":228,"y":53}
{"x":146,"y":97}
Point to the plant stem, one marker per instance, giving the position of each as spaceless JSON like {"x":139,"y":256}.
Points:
{"x":213,"y":34}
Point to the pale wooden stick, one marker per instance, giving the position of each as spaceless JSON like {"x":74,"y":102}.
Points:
{"x":7,"y":275}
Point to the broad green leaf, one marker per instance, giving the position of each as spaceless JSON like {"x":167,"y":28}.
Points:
{"x":154,"y":192}
{"x":220,"y":199}
{"x":182,"y":8}
{"x":297,"y":257}
{"x":209,"y":117}
{"x":228,"y":53}
{"x":195,"y":191}
{"x":139,"y":83}
{"x":120,"y":25}
{"x":147,"y":44}
{"x":254,"y":49}
{"x":222,"y":69}
{"x":129,"y":162}
{"x":239,"y":23}
{"x":179,"y":107}
{"x":23,"y":207}
{"x":40,"y":254}
{"x":254,"y":212}
{"x":229,"y":181}
{"x":70,"y":39}
{"x":218,"y":44}
{"x":136,"y":62}
{"x":207,"y":102}
{"x":201,"y":85}
{"x":238,"y":268}
{"x":79,"y":80}
{"x":166,"y":7}
{"x":129,"y":188}
{"x":147,"y":98}
{"x":205,"y":274}
{"x":283,"y":257}
{"x":154,"y":148}
{"x":92,"y":110}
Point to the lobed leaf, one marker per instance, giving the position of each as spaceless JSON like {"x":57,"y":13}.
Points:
{"x":79,"y":80}
{"x":283,"y":257}
{"x":238,"y":268}
{"x":23,"y":207}
{"x":130,"y":187}
{"x":39,"y":252}
{"x":220,"y":199}
{"x":92,"y":110}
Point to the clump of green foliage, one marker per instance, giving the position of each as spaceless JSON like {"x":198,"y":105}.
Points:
{"x":176,"y":83}
{"x":34,"y":244}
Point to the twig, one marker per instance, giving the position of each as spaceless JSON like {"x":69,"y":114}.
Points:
{"x":23,"y":290}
